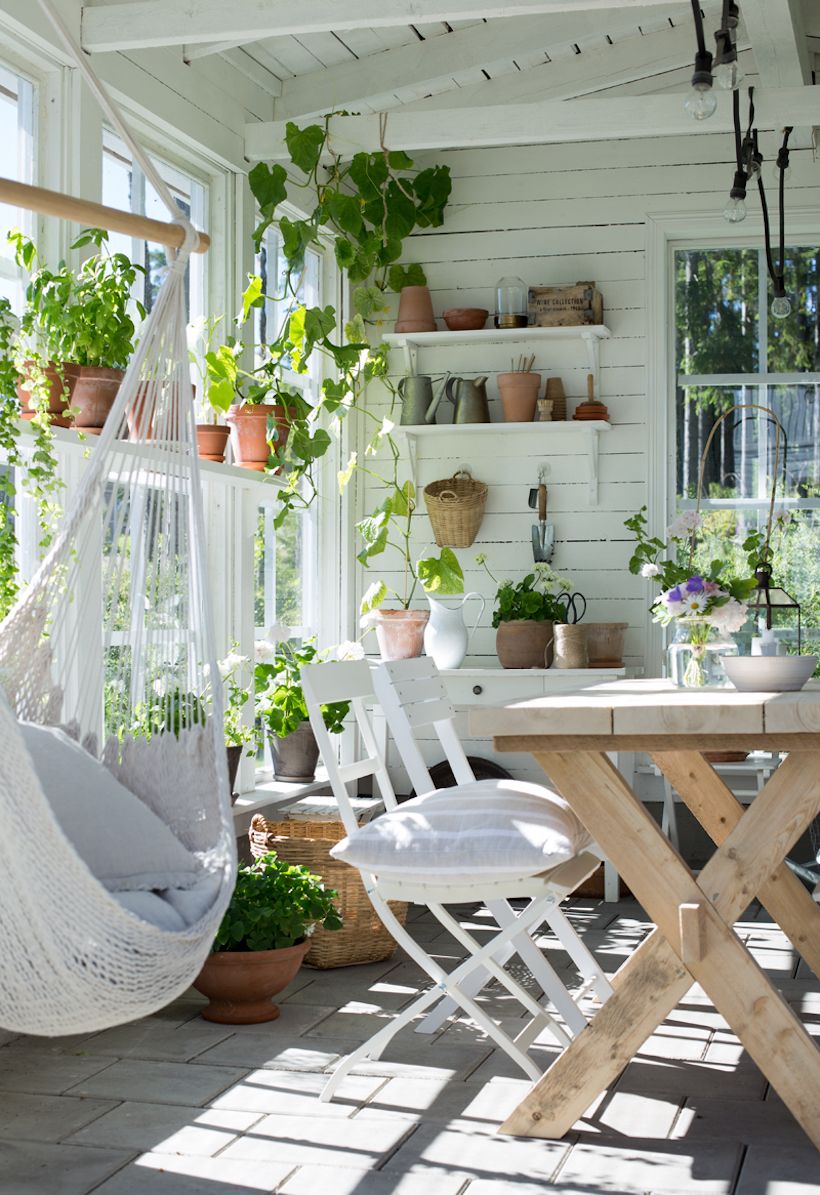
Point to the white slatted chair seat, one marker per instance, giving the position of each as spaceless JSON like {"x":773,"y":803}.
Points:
{"x":543,"y":879}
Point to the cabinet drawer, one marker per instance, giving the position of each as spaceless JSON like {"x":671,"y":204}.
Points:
{"x":493,"y":690}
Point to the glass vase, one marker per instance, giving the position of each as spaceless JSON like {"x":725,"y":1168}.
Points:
{"x":693,"y":656}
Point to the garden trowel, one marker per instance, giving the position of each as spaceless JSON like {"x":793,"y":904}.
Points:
{"x":543,"y":533}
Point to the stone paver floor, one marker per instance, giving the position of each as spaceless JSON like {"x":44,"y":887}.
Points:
{"x":173,"y":1105}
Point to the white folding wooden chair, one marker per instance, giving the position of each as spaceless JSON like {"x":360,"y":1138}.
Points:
{"x":325,"y":683}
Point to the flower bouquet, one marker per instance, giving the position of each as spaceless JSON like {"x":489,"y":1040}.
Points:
{"x":704,"y":608}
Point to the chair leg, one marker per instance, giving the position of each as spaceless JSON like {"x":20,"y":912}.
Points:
{"x":580,"y":954}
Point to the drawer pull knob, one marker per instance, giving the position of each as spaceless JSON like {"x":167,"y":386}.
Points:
{"x":478,"y":690}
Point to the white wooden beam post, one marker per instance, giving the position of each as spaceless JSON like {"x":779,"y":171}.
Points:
{"x":541,"y":123}
{"x":775,"y":30}
{"x":145,"y":23}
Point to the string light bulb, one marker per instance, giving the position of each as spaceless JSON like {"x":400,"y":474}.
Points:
{"x":781,"y":307}
{"x":701,"y":103}
{"x":735,"y":209}
{"x":726,"y":71}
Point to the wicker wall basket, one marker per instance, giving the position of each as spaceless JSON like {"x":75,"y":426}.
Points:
{"x":456,"y":509}
{"x":363,"y":938}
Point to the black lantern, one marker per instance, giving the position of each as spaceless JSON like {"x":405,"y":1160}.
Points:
{"x":769,"y":599}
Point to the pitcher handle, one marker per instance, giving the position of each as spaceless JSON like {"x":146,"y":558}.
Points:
{"x":466,"y":599}
{"x":401,"y":384}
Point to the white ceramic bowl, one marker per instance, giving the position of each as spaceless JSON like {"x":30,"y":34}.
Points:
{"x":769,"y":674}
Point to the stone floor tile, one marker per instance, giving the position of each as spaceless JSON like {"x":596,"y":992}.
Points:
{"x":748,"y":1121}
{"x":381,"y":993}
{"x":170,"y":1174}
{"x":158,"y":1127}
{"x":41,"y":1169}
{"x":441,"y":1100}
{"x":52,"y":1074}
{"x":790,"y":1169}
{"x":430,"y":1060}
{"x":321,"y":1140}
{"x":500,"y":1066}
{"x":678,"y":1043}
{"x":627,"y":1114}
{"x":152,"y":1038}
{"x":314,"y":1180}
{"x":6,"y":1037}
{"x":254,"y":1049}
{"x":355,"y":1023}
{"x":296,"y":1094}
{"x":500,"y":1186}
{"x":652,"y":1166}
{"x":159,"y":1082}
{"x":473,"y":1152}
{"x":25,"y":1117}
{"x":647,"y":1076}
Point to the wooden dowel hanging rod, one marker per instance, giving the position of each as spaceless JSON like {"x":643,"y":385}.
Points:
{"x":96,"y":215}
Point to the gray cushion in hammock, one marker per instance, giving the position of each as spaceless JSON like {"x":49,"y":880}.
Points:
{"x":124,"y":844}
{"x":175,"y":908}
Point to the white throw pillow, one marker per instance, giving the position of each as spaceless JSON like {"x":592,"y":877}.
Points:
{"x":495,"y":828}
{"x":124,"y":844}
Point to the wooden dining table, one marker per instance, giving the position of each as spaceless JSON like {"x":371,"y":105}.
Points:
{"x":572,"y":736}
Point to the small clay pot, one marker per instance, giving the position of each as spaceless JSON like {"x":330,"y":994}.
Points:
{"x":249,"y":433}
{"x":465,"y":319}
{"x":93,"y":395}
{"x":212,"y":440}
{"x":524,"y":643}
{"x":415,"y":310}
{"x":605,"y":644}
{"x":518,"y":392}
{"x":58,"y":388}
{"x":241,"y":984}
{"x":295,"y":757}
{"x":399,"y":633}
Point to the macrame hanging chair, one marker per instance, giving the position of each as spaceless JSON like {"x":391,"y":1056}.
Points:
{"x":108,"y":661}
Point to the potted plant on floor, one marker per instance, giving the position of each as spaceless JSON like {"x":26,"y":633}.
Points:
{"x":281,"y":709}
{"x":524,"y":615}
{"x":262,"y":940}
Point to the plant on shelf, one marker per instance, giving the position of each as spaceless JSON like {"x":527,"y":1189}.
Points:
{"x":10,"y":447}
{"x":525,"y":613}
{"x":262,"y":939}
{"x":237,"y":678}
{"x":700,"y":605}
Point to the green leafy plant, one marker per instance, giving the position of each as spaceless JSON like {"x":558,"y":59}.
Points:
{"x":10,"y":447}
{"x":237,"y":682}
{"x":168,"y":712}
{"x":536,"y":597}
{"x":275,"y":905}
{"x":280,"y":702}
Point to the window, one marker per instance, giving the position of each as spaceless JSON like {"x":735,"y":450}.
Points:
{"x":125,"y":186}
{"x":16,"y":162}
{"x":729,"y":350}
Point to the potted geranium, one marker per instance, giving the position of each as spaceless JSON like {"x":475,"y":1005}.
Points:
{"x":704,"y":607}
{"x":281,"y":708}
{"x":237,"y":681}
{"x":524,"y":615}
{"x":262,"y":939}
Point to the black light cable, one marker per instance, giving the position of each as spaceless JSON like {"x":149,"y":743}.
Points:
{"x":727,"y":72}
{"x":701,"y":101}
{"x":735,"y":209}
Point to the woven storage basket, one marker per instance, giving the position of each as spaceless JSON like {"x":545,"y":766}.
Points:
{"x":363,"y":938}
{"x":456,"y":508}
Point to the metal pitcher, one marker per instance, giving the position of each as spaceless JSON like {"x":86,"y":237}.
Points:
{"x":419,"y":402}
{"x":469,"y":396}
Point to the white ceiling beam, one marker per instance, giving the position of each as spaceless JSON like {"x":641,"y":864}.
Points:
{"x":434,"y":62}
{"x":205,"y":49}
{"x":778,"y":39}
{"x":546,"y":122}
{"x":144,"y":23}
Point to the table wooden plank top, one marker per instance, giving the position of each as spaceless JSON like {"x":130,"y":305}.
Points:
{"x":652,"y":707}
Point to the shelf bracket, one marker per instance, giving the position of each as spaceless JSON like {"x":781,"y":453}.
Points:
{"x":592,"y":345}
{"x":412,"y":455}
{"x":592,"y":454}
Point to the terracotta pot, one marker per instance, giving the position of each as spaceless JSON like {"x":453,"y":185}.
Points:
{"x":93,"y":395}
{"x":295,"y":757}
{"x":415,"y":310}
{"x":240,"y":984}
{"x":605,"y":644}
{"x":524,"y":643}
{"x":249,"y":433}
{"x":399,"y":633}
{"x":59,"y":389}
{"x":212,"y":440}
{"x":465,"y":319}
{"x":518,"y":392}
{"x":234,"y":756}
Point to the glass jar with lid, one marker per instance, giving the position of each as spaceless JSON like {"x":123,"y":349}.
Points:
{"x":511,"y":301}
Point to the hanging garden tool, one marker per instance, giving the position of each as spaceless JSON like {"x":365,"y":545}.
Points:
{"x":543,"y":533}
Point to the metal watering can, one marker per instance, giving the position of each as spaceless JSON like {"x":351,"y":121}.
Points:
{"x":469,"y":396}
{"x":419,"y":402}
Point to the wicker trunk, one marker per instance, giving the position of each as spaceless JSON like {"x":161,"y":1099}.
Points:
{"x":363,"y":938}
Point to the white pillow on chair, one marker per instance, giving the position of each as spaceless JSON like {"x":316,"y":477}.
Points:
{"x":496,"y":828}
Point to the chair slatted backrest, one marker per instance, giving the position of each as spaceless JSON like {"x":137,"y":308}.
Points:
{"x":413,"y":696}
{"x":346,"y":680}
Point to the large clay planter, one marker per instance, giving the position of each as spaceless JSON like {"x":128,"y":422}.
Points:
{"x":415,"y":310}
{"x":58,"y":387}
{"x":249,"y":433}
{"x":241,"y":984}
{"x":518,"y":392}
{"x":399,"y":633}
{"x":93,"y":395}
{"x":605,"y":644}
{"x":212,"y":440}
{"x":296,"y":756}
{"x":524,"y":643}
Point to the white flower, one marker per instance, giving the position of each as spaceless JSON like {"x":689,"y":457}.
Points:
{"x":264,"y":651}
{"x":686,"y":522}
{"x":349,"y":649}
{"x":278,"y":633}
{"x":232,"y":664}
{"x":650,"y":570}
{"x":675,"y":609}
{"x":729,"y":617}
{"x":694,"y":603}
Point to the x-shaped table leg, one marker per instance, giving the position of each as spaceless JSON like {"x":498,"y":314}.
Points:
{"x":695,"y":939}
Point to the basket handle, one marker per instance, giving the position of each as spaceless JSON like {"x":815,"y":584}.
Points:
{"x":447,"y":494}
{"x":465,"y":472}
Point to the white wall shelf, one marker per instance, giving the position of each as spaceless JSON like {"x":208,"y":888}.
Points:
{"x":590,"y":336}
{"x":588,"y":431}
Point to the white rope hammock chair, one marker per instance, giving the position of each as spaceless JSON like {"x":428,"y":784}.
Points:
{"x":112,"y":642}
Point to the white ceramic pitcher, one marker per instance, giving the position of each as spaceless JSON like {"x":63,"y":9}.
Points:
{"x":446,"y":637}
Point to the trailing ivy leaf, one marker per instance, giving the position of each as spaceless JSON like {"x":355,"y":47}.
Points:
{"x":400,"y":276}
{"x":373,"y":530}
{"x":345,"y":212}
{"x":432,"y":188}
{"x":400,"y":213}
{"x":442,"y":574}
{"x":399,"y":160}
{"x":252,"y":296}
{"x":404,"y":499}
{"x":269,"y":184}
{"x":369,"y":173}
{"x":305,"y":145}
{"x":296,"y":236}
{"x":367,"y":300}
{"x":334,"y":393}
{"x":345,"y":253}
{"x":373,"y":597}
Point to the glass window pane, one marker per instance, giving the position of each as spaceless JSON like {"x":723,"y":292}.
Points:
{"x":794,"y":343}
{"x":286,"y":572}
{"x":16,"y":162}
{"x":716,"y":310}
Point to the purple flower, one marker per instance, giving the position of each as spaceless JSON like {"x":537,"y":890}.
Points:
{"x":673,"y":595}
{"x":694,"y":585}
